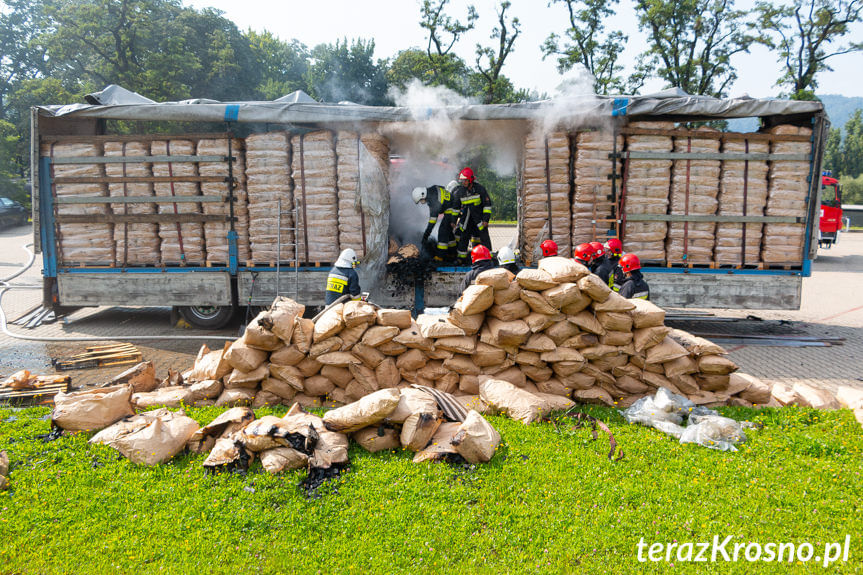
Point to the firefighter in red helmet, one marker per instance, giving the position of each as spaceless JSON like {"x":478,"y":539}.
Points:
{"x":608,"y":269}
{"x":480,"y":257}
{"x":634,"y":286}
{"x":583,"y":254}
{"x":474,"y":206}
{"x":548,"y":248}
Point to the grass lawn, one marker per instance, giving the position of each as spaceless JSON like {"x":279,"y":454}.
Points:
{"x":547,"y":503}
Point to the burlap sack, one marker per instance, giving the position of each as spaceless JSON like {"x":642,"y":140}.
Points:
{"x":149,"y":438}
{"x":561,"y":331}
{"x":288,"y":355}
{"x":412,"y":338}
{"x":440,"y":354}
{"x":537,"y":280}
{"x":339,"y":358}
{"x":681,"y":366}
{"x":576,"y":380}
{"x":318,"y":385}
{"x":341,"y":376}
{"x":539,"y":342}
{"x":512,"y":374}
{"x":400,"y":318}
{"x":303,"y":334}
{"x":562,"y":295}
{"x":647,"y":337}
{"x":278,"y":387}
{"x":227,"y":452}
{"x":258,"y":336}
{"x":411,"y":401}
{"x":244,"y":357}
{"x":281,"y":317}
{"x":387,"y":374}
{"x":457,"y":344}
{"x":646,"y":314}
{"x":615,"y":302}
{"x":369,"y":410}
{"x":598,"y":351}
{"x":615,"y":321}
{"x":289,"y":374}
{"x":498,"y":278}
{"x":281,"y":459}
{"x":537,"y":373}
{"x":587,"y":322}
{"x":358,"y":312}
{"x":486,"y":355}
{"x":594,"y":287}
{"x":685,"y":383}
{"x":507,"y":295}
{"x":594,"y":395}
{"x":562,"y":354}
{"x":471,"y":324}
{"x":474,"y":402}
{"x":309,"y":367}
{"x":439,"y":445}
{"x":563,"y":269}
{"x":476,"y":440}
{"x":616,"y":338}
{"x":411,"y":360}
{"x":239,"y":397}
{"x":508,"y":332}
{"x":265,"y":433}
{"x":365,"y":377}
{"x":539,"y":321}
{"x":552,"y":402}
{"x":509,"y":311}
{"x":667,"y":350}
{"x":331,"y":449}
{"x":207,"y":389}
{"x":475,"y":299}
{"x":318,"y":349}
{"x":392,"y":348}
{"x":418,"y":429}
{"x":93,"y":409}
{"x":504,"y":397}
{"x":577,"y":304}
{"x":523,"y":358}
{"x":209,"y":364}
{"x":370,"y":356}
{"x":435,"y":326}
{"x":329,"y":324}
{"x":756,"y":390}
{"x":468,"y":384}
{"x":553,"y":386}
{"x":716,"y":365}
{"x":351,"y":335}
{"x":713,"y":382}
{"x":537,"y":303}
{"x":248,"y":380}
{"x":374,"y":439}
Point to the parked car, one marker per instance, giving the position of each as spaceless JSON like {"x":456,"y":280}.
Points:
{"x":12,"y":213}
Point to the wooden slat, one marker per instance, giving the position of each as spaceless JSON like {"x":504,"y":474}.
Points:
{"x":711,"y":219}
{"x":132,"y":138}
{"x":138,"y":179}
{"x":752,"y":136}
{"x":140,"y":199}
{"x":41,"y":395}
{"x":715,"y":156}
{"x":140,"y":218}
{"x":134,"y":159}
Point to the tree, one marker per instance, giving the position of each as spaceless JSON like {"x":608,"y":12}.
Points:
{"x":587,"y":47}
{"x":691,"y":43}
{"x":20,"y":56}
{"x":444,"y":32}
{"x":852,"y":145}
{"x":282,"y":66}
{"x":808,"y":33}
{"x":833,"y":152}
{"x":342,"y":72}
{"x":12,"y":183}
{"x":494,"y":60}
{"x":415,"y":64}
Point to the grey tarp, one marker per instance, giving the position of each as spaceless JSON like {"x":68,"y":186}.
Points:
{"x":299,"y":111}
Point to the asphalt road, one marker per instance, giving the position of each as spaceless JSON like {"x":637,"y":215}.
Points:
{"x":832,"y":304}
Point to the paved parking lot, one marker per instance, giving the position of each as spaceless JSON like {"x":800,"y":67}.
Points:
{"x":832,"y":305}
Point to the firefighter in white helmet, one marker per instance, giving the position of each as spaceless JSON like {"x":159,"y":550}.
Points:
{"x":440,"y":202}
{"x":343,"y":278}
{"x":506,"y":259}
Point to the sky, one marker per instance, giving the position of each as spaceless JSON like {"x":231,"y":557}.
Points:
{"x":394,"y":26}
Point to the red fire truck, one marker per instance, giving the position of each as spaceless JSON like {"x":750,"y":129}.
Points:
{"x":830,"y":223}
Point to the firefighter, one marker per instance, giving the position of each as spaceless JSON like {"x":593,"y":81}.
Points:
{"x":474,"y":206}
{"x":548,"y":248}
{"x":480,"y":257}
{"x":440,"y":202}
{"x":583,"y":254}
{"x":343,"y":278}
{"x":506,"y":259}
{"x":608,"y":270}
{"x":634,"y":286}
{"x":598,"y":256}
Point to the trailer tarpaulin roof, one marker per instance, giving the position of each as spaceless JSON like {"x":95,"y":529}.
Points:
{"x":296,"y":109}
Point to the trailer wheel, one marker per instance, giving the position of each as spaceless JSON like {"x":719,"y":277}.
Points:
{"x":207,"y":316}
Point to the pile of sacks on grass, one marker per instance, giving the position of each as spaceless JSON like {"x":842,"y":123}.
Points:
{"x":432,"y":425}
{"x":557,"y":333}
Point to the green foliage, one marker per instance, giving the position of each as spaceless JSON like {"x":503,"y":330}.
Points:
{"x":347,"y":72}
{"x":844,"y":156}
{"x":691,"y":43}
{"x":548,"y":502}
{"x":833,"y":152}
{"x":444,"y":32}
{"x":282,"y":65}
{"x":805,"y":34}
{"x":586,"y":45}
{"x":447,"y":70}
{"x":852,"y":190}
{"x":489,"y":62}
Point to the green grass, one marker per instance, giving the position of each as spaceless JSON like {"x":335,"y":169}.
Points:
{"x":548,"y":502}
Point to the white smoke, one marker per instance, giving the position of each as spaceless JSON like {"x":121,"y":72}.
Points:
{"x":574,"y":106}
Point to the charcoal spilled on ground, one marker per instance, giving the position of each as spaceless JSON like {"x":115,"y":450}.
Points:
{"x":302,"y":443}
{"x":53,"y":435}
{"x":318,"y":476}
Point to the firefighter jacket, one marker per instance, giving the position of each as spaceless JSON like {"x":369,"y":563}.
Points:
{"x":473,"y":205}
{"x":342,"y":281}
{"x":440,"y":202}
{"x":475,"y":270}
{"x":605,"y":270}
{"x":635,"y":287}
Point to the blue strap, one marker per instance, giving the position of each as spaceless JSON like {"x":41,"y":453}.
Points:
{"x":619,"y":108}
{"x":232,"y":112}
